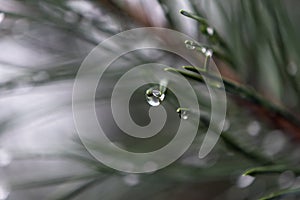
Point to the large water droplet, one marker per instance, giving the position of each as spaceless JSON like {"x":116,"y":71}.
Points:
{"x":154,"y":96}
{"x":244,"y":181}
{"x":210,"y":30}
{"x":4,"y":191}
{"x":5,"y":158}
{"x":131,"y":179}
{"x":190,"y":44}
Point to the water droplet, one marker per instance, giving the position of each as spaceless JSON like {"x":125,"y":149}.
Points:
{"x":130,"y":179}
{"x":292,"y":69}
{"x":183,"y":114}
{"x":274,"y":142}
{"x":154,"y":96}
{"x":2,"y":16}
{"x":208,"y":52}
{"x":286,"y":179}
{"x":216,"y":84}
{"x":203,"y":50}
{"x":253,"y":128}
{"x":5,"y":158}
{"x":210,"y":30}
{"x":225,"y":126}
{"x":245,"y":181}
{"x":189,"y":44}
{"x":4,"y":191}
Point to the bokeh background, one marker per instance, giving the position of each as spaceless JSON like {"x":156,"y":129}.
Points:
{"x":256,"y":47}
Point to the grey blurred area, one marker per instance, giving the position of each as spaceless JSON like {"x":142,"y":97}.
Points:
{"x":44,"y":42}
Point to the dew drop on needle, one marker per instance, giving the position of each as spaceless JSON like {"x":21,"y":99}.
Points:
{"x":154,"y":96}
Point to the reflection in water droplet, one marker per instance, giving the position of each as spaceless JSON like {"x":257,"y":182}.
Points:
{"x":5,"y":158}
{"x":154,"y":96}
{"x":286,"y":179}
{"x":2,"y":16}
{"x":189,"y":44}
{"x":244,"y":181}
{"x":131,"y":179}
{"x":210,"y":30}
{"x":253,"y":128}
{"x":4,"y":192}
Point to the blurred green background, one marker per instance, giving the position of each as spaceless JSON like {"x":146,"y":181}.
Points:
{"x":256,"y":47}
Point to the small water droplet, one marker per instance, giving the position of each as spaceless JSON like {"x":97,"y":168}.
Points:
{"x":286,"y":179}
{"x":4,"y":191}
{"x":274,"y":142}
{"x":245,"y":181}
{"x":189,"y":44}
{"x":130,"y":179}
{"x":216,"y":84}
{"x":225,"y":126}
{"x":2,"y":16}
{"x":183,"y":114}
{"x":208,"y":52}
{"x":5,"y":158}
{"x":253,"y":128}
{"x":292,"y":69}
{"x":210,"y":30}
{"x":154,"y":96}
{"x":203,"y":50}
